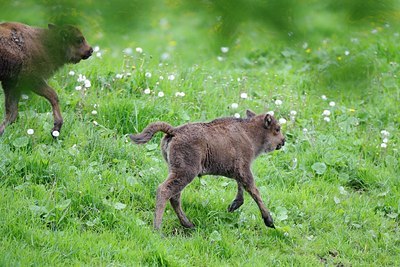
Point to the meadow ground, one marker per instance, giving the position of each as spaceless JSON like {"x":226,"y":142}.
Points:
{"x":88,"y":197}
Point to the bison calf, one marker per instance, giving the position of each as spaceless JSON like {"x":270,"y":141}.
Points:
{"x":29,"y":56}
{"x":225,"y":146}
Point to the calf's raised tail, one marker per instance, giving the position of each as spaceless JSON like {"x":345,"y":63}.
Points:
{"x":150,"y":130}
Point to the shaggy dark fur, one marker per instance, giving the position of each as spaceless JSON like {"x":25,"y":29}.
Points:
{"x":225,"y":146}
{"x":29,"y":56}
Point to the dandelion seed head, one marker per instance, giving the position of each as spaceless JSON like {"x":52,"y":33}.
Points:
{"x":87,"y":83}
{"x":96,"y":48}
{"x":278,"y":102}
{"x":237,"y":115}
{"x":139,"y":50}
{"x":243,"y":95}
{"x":55,"y":133}
{"x":282,"y":121}
{"x":224,"y":49}
{"x":383,"y":145}
{"x":234,"y":105}
{"x":324,"y":97}
{"x":160,"y":94}
{"x":71,"y":73}
{"x":78,"y":88}
{"x":171,"y":77}
{"x":94,"y":112}
{"x":332,"y":104}
{"x":147,"y":91}
{"x":148,"y":75}
{"x":30,"y":131}
{"x":293,"y":112}
{"x":327,"y":119}
{"x":326,"y":112}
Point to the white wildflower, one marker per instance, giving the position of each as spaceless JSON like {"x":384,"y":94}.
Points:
{"x":282,"y":120}
{"x":278,"y":102}
{"x":271,"y":112}
{"x":383,"y":145}
{"x":78,"y":88}
{"x":24,"y":97}
{"x":181,"y":94}
{"x":332,"y":104}
{"x":293,"y":112}
{"x":346,"y":53}
{"x":160,"y":94}
{"x":171,"y":77}
{"x":327,"y":119}
{"x":139,"y":50}
{"x":30,"y":131}
{"x":96,"y":48}
{"x":98,"y":54}
{"x":94,"y":112}
{"x":234,"y":105}
{"x":71,"y":73}
{"x":243,"y":95}
{"x":324,"y":97}
{"x":87,"y":83}
{"x":95,"y":123}
{"x":326,"y":112}
{"x":148,"y":74}
{"x":147,"y":91}
{"x":128,"y":51}
{"x":55,"y":133}
{"x":119,"y":76}
{"x":237,"y":115}
{"x":385,"y":133}
{"x":224,"y":49}
{"x":219,"y":58}
{"x":385,"y":140}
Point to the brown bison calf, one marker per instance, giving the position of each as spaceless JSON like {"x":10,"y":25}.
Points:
{"x":225,"y":146}
{"x":29,"y":56}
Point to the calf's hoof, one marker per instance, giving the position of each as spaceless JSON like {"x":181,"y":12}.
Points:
{"x":269,"y":222}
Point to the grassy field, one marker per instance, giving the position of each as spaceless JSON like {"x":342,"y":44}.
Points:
{"x":88,"y":197}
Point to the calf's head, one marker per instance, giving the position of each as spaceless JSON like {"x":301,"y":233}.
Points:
{"x":269,"y":131}
{"x":72,"y":42}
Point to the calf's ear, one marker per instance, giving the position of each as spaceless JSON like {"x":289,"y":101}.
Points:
{"x":250,"y":114}
{"x":268,"y":120}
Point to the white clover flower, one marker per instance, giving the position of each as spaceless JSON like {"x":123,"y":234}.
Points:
{"x":383,"y":145}
{"x":181,"y":94}
{"x":385,"y":140}
{"x":243,"y":95}
{"x":96,"y":48}
{"x":278,"y":102}
{"x":305,"y":130}
{"x":30,"y":131}
{"x":385,"y":133}
{"x":271,"y":112}
{"x":87,"y":83}
{"x":165,"y":56}
{"x":71,"y":73}
{"x":119,"y":76}
{"x":94,"y":112}
{"x":282,"y":121}
{"x":139,"y":50}
{"x":160,"y":94}
{"x":81,"y":78}
{"x":128,"y":51}
{"x":171,"y":77}
{"x":327,"y":119}
{"x":224,"y":49}
{"x":326,"y":112}
{"x":332,"y":104}
{"x":147,"y":91}
{"x":346,"y":53}
{"x":324,"y":97}
{"x":234,"y":105}
{"x":237,"y":115}
{"x":55,"y":133}
{"x":148,"y":74}
{"x":293,"y":113}
{"x":78,"y":88}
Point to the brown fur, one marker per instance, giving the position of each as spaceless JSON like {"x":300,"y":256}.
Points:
{"x":29,"y":56}
{"x":225,"y":146}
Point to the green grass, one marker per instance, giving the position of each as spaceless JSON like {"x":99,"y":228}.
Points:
{"x":88,"y":198}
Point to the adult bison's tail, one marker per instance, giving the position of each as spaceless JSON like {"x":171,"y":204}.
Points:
{"x":150,"y":130}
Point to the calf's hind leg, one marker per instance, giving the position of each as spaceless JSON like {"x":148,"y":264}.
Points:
{"x":170,"y":189}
